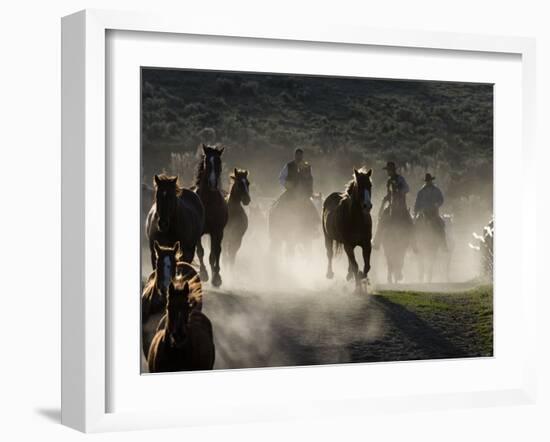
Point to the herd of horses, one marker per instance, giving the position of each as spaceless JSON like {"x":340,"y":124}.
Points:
{"x":176,"y":335}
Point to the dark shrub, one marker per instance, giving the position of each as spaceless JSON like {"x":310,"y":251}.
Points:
{"x":250,"y":88}
{"x":225,"y":86}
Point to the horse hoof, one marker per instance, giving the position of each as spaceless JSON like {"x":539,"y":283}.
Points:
{"x":330,"y":275}
{"x":216,"y":280}
{"x":349,"y":277}
{"x":203,"y":275}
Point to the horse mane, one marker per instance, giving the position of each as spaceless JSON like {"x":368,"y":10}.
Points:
{"x":150,"y":284}
{"x":350,"y":187}
{"x":195,"y":290}
{"x":191,"y":277}
{"x":199,"y":171}
{"x":165,"y":177}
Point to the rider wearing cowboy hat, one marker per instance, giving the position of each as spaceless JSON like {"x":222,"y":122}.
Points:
{"x":429,"y":197}
{"x":297,"y":179}
{"x":428,"y":201}
{"x":296,"y":170}
{"x":395,"y":182}
{"x":397,"y":189}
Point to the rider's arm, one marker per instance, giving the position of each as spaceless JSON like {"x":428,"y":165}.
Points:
{"x":386,"y":198}
{"x":283,"y":175}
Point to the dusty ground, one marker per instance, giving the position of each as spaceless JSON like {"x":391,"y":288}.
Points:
{"x":328,"y":328}
{"x":269,"y":316}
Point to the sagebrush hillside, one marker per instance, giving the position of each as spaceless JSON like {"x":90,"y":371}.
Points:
{"x":340,"y":122}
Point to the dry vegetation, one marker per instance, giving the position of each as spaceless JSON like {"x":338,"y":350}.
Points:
{"x":446,"y":127}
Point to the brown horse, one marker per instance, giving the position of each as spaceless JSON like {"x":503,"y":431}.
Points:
{"x":293,"y":220}
{"x":215,"y":208}
{"x":185,"y":273}
{"x":153,"y":297}
{"x":431,"y":244}
{"x":184,"y":340}
{"x":176,"y":215}
{"x":347,"y":221}
{"x":398,"y":234}
{"x":237,"y":223}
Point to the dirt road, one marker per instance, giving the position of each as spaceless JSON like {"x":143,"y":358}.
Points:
{"x":282,"y":329}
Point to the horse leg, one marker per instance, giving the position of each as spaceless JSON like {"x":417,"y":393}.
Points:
{"x":203,"y":273}
{"x":330,"y":253}
{"x":350,"y":272}
{"x":236,"y":248}
{"x":448,"y":265}
{"x":231,"y":255}
{"x":420,"y":260}
{"x":215,"y":252}
{"x":228,"y":254}
{"x":389,"y":277}
{"x":398,"y":270}
{"x":367,"y":248}
{"x":431,"y":264}
{"x":353,"y":267}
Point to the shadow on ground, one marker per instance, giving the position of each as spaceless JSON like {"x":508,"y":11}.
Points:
{"x":50,"y":414}
{"x":285,"y":330}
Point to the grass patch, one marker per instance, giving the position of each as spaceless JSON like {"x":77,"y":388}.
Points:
{"x":464,"y":320}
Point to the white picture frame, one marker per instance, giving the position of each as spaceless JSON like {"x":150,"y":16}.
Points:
{"x":85,"y":350}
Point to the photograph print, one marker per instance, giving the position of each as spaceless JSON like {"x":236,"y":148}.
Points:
{"x":300,"y":220}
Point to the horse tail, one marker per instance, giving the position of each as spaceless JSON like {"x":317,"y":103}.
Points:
{"x":336,"y":246}
{"x":329,"y":205}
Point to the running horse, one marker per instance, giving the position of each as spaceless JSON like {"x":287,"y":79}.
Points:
{"x":153,"y":297}
{"x":347,"y":222}
{"x":177,"y":214}
{"x":293,"y":220}
{"x":237,"y":223}
{"x":429,"y":230}
{"x":184,"y":339}
{"x":398,"y":234}
{"x":207,"y":187}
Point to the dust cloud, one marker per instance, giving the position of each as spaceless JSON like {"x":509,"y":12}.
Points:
{"x":278,"y":309}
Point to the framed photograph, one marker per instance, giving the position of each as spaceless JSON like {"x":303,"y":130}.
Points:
{"x":281,"y":224}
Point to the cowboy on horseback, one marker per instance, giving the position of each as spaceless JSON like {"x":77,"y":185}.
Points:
{"x":428,"y":201}
{"x":293,"y":217}
{"x":396,"y":199}
{"x":296,"y":175}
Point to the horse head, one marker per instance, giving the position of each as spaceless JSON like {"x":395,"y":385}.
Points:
{"x":211,"y":165}
{"x":362,"y":190}
{"x":166,"y":259}
{"x":240,"y":189}
{"x":166,"y":194}
{"x":178,"y":310}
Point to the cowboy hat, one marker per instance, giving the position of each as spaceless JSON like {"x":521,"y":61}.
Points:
{"x":429,"y":177}
{"x":390,"y":165}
